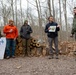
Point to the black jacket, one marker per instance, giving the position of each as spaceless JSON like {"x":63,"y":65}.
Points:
{"x":25,"y":31}
{"x":52,"y":34}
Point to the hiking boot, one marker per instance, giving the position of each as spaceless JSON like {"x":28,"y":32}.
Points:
{"x":51,"y":57}
{"x":57,"y":57}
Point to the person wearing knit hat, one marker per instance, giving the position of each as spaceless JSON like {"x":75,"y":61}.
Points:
{"x":25,"y":21}
{"x":25,"y":32}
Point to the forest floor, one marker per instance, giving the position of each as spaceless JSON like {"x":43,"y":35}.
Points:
{"x":38,"y":66}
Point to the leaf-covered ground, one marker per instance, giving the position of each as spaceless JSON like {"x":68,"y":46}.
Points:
{"x":38,"y":66}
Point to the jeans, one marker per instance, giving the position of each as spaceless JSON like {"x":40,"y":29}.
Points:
{"x":10,"y":47}
{"x":55,"y":43}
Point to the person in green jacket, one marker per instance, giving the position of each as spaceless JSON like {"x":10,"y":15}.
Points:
{"x":74,"y":23}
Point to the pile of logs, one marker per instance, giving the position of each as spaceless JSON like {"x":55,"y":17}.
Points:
{"x":19,"y":48}
{"x":36,"y":48}
{"x":40,"y":49}
{"x":67,"y":48}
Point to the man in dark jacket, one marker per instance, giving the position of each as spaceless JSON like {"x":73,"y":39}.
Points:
{"x":25,"y":35}
{"x":74,"y":23}
{"x":52,"y":29}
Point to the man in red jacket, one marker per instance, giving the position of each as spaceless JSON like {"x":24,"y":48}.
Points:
{"x":11,"y":33}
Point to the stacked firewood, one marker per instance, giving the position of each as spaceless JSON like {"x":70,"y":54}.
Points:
{"x":41,"y":49}
{"x":67,"y":48}
{"x":36,"y":48}
{"x":19,"y":47}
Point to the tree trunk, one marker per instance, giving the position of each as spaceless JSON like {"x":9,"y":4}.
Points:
{"x":12,"y":9}
{"x":21,"y":10}
{"x":49,"y":5}
{"x":16,"y":10}
{"x":39,"y":17}
{"x":65,"y":16}
{"x":60,"y":19}
{"x":53,"y":9}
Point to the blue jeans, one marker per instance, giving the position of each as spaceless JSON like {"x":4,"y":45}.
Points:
{"x":10,"y":47}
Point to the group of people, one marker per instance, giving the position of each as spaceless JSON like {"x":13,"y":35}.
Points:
{"x":51,"y":29}
{"x":11,"y":32}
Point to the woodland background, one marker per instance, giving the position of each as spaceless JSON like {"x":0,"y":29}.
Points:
{"x":37,"y":12}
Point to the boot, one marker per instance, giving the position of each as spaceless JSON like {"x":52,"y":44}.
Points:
{"x":56,"y":57}
{"x":51,"y":56}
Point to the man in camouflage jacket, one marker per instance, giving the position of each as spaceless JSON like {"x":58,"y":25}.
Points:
{"x":74,"y":23}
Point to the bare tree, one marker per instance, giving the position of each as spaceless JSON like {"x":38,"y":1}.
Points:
{"x":12,"y":9}
{"x":4,"y":12}
{"x":60,"y":13}
{"x":21,"y":10}
{"x":53,"y":8}
{"x":49,"y":5}
{"x":16,"y":10}
{"x":39,"y":16}
{"x":65,"y":16}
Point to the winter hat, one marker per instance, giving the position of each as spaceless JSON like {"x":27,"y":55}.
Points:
{"x":25,"y":21}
